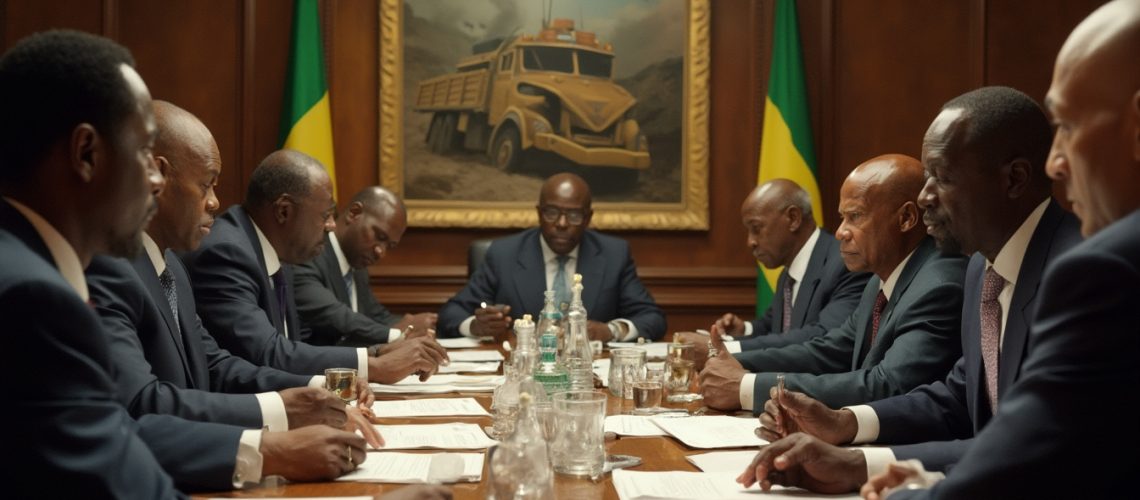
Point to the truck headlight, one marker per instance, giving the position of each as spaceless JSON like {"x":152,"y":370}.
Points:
{"x":540,"y":126}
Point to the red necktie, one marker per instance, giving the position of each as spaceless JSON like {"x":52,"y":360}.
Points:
{"x":788,"y":284}
{"x":876,"y":313}
{"x":992,"y":285}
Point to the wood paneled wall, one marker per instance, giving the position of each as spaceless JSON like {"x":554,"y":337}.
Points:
{"x":877,"y":70}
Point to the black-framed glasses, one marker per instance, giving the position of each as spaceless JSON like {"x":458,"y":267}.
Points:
{"x":574,"y":217}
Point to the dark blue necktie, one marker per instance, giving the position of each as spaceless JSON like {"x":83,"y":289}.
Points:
{"x":279,"y":288}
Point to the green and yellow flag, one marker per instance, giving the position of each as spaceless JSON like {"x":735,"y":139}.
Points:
{"x":786,"y":148}
{"x":306,"y":123}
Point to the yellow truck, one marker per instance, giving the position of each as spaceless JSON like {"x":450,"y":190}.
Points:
{"x":550,"y":92}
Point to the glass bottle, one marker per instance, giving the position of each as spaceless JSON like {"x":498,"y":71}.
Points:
{"x":524,"y":358}
{"x":578,"y":356}
{"x":550,"y":372}
{"x":505,"y":404}
{"x":550,"y":319}
{"x":520,"y":466}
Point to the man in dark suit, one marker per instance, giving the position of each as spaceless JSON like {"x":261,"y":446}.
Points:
{"x":78,"y":179}
{"x":1074,"y":401}
{"x":334,"y":298}
{"x":986,"y":191}
{"x":243,"y":277}
{"x":165,"y":362}
{"x":518,"y":268}
{"x":905,"y":331}
{"x":815,"y":291}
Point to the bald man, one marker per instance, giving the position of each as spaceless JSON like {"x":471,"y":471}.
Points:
{"x":334,"y":298}
{"x":518,"y":268}
{"x":905,"y":330}
{"x":1073,"y":406}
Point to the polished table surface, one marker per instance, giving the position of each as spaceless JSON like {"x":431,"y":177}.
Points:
{"x":656,"y":453}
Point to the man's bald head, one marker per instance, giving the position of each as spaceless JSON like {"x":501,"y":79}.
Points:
{"x":371,"y":226}
{"x":880,"y":219}
{"x":1095,"y":103}
{"x":778,"y":217}
{"x":565,"y":185}
{"x":290,"y":199}
{"x":188,"y":157}
{"x":564,"y":211}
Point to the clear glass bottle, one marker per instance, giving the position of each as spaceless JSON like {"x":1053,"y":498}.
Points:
{"x":520,"y":466}
{"x":550,"y":372}
{"x":578,"y":356}
{"x":505,"y":404}
{"x":551,"y":320}
{"x":524,"y":357}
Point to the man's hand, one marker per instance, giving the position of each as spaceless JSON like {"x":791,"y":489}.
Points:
{"x":364,"y":395}
{"x":804,"y":461}
{"x":421,"y":355}
{"x":312,"y":405}
{"x":493,"y":320}
{"x":420,"y":492}
{"x":700,"y":347}
{"x":313,"y":453}
{"x":798,"y":412}
{"x":897,"y":473}
{"x":729,"y":324}
{"x":720,"y":380}
{"x":597,"y":330}
{"x":357,"y":421}
{"x":422,"y":323}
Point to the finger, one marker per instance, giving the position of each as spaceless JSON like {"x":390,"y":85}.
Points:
{"x":769,"y":434}
{"x":767,"y":422}
{"x":718,"y":343}
{"x":358,"y":421}
{"x":434,"y":345}
{"x":748,"y":477}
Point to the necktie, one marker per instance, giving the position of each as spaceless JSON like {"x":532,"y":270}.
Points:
{"x":992,"y":285}
{"x":349,"y":284}
{"x":876,"y":313}
{"x":788,"y":284}
{"x":166,"y":279}
{"x":561,"y":290}
{"x":279,"y":289}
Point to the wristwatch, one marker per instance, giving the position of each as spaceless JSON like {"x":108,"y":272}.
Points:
{"x":374,"y":350}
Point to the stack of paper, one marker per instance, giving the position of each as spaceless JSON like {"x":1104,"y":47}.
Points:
{"x":718,"y":431}
{"x":723,"y":461}
{"x":441,"y":383}
{"x":397,"y":467}
{"x":653,"y":350}
{"x":458,"y":343}
{"x":632,"y":425}
{"x":469,"y":367}
{"x":476,"y":356}
{"x":453,"y":436}
{"x":632,"y":485}
{"x":436,"y":407}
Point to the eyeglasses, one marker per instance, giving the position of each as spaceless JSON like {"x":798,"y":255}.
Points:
{"x":550,"y":214}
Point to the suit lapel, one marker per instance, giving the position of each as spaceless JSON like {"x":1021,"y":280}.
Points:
{"x":530,"y":276}
{"x":331,"y":267}
{"x":149,"y":277}
{"x":810,"y":283}
{"x":268,"y":294}
{"x":863,"y":328}
{"x":591,"y":265}
{"x":906,"y":277}
{"x":778,"y":300}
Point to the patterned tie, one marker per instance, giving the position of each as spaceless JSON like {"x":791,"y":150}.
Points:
{"x":992,"y":285}
{"x":166,"y":279}
{"x":349,"y":284}
{"x":561,"y":289}
{"x":788,"y":284}
{"x":876,"y":313}
{"x":279,"y":289}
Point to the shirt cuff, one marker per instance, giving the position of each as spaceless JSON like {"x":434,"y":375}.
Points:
{"x":747,"y":384}
{"x":747,"y":328}
{"x":877,"y":458}
{"x":465,"y":327}
{"x":631,"y":333}
{"x":394,"y":334}
{"x":868,"y":422}
{"x":362,"y":363}
{"x":733,"y":346}
{"x":317,"y":381}
{"x":273,"y":415}
{"x":247,"y":467}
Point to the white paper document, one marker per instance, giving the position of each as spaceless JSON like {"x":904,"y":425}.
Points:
{"x":632,"y":425}
{"x":470,"y":367}
{"x":436,"y":407}
{"x":634,"y":485}
{"x":602,"y":370}
{"x":475,"y":355}
{"x":653,"y":350}
{"x":723,"y":461}
{"x":438,"y":384}
{"x":453,"y":436}
{"x":395,"y":467}
{"x":458,"y":343}
{"x":719,"y":431}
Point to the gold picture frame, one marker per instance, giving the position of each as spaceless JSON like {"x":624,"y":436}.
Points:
{"x":691,"y":212}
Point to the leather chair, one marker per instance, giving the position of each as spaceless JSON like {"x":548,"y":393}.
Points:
{"x":476,"y":253}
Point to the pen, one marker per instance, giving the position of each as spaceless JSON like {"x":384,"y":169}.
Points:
{"x":780,"y":386}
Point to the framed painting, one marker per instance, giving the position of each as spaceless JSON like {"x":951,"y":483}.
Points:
{"x":481,"y":100}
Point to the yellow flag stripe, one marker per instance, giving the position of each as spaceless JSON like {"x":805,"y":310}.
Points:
{"x":312,"y":135}
{"x":779,"y":158}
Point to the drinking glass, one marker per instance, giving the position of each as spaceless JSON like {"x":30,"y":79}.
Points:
{"x":342,"y":383}
{"x":679,"y":373}
{"x":647,"y":392}
{"x":579,"y":441}
{"x":626,"y":364}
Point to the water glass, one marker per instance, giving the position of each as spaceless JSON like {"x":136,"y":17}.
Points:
{"x":579,"y":442}
{"x":625,"y":364}
{"x":647,"y":392}
{"x":342,"y":383}
{"x":679,"y":376}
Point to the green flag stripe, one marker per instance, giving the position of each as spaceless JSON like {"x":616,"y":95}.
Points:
{"x":763,"y":295}
{"x":305,"y":76}
{"x":786,"y":86}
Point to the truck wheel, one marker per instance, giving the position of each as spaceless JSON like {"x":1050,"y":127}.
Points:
{"x":506,"y":153}
{"x":441,"y":139}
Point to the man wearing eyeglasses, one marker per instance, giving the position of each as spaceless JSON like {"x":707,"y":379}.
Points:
{"x":334,"y":300}
{"x":517,"y":269}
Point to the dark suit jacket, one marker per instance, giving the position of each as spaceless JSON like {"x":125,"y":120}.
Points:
{"x":943,"y":417}
{"x":918,"y":340}
{"x":239,"y":307}
{"x":68,"y":425}
{"x":514,"y":274}
{"x":1075,"y":402}
{"x":158,"y":369}
{"x":326,"y":311}
{"x":827,"y":297}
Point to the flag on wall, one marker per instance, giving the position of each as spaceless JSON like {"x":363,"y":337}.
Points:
{"x":786,"y":148}
{"x":306,"y":123}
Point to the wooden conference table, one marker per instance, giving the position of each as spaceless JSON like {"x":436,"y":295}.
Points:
{"x":657,"y":454}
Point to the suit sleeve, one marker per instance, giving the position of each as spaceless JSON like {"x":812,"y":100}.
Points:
{"x":840,"y":306}
{"x":226,"y":291}
{"x":480,"y":287}
{"x":229,"y":373}
{"x":329,"y":319}
{"x":637,"y":305}
{"x":761,"y":326}
{"x":201,"y":456}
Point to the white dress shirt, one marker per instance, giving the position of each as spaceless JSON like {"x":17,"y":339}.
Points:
{"x":393,"y":333}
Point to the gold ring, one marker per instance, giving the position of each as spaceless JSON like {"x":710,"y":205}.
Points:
{"x":349,"y":450}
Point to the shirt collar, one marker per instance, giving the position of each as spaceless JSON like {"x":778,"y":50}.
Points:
{"x":1008,"y":261}
{"x":272,"y":263}
{"x":156,"y":256}
{"x":548,"y":255}
{"x":66,"y":260}
{"x":340,"y":258}
{"x":889,"y":286}
{"x":798,"y":268}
